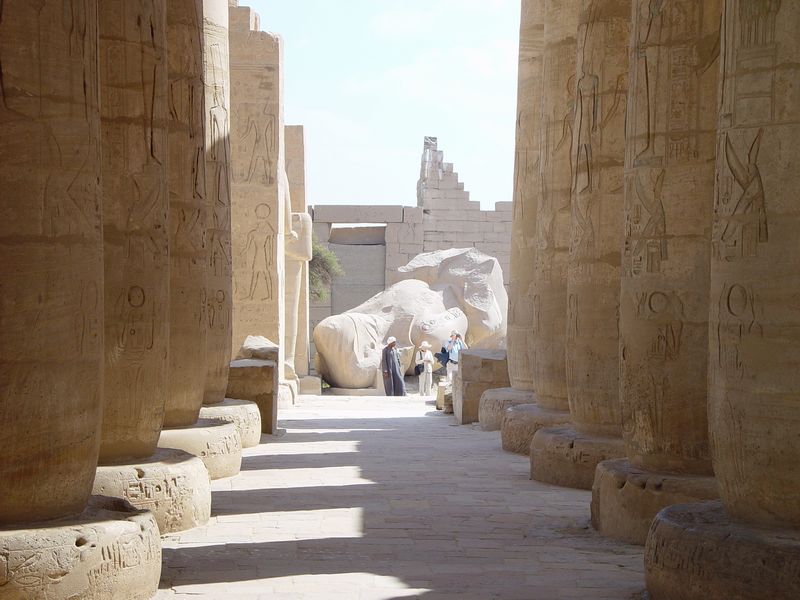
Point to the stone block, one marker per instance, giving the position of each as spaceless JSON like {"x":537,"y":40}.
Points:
{"x":412,"y":214}
{"x":310,"y":386}
{"x":358,"y":236}
{"x":503,"y":206}
{"x":358,"y":214}
{"x":256,"y":381}
{"x":322,"y":231}
{"x":478,"y":371}
{"x":348,"y":297}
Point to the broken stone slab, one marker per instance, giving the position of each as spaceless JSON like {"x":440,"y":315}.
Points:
{"x":110,"y":551}
{"x":697,"y":552}
{"x":216,"y":442}
{"x":173,"y":485}
{"x":244,"y":415}
{"x":310,"y":386}
{"x":257,"y":380}
{"x":626,"y":499}
{"x":478,"y":371}
{"x":494,"y":402}
{"x":521,"y":422}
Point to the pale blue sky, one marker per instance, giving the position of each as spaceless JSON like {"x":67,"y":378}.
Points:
{"x":370,"y":78}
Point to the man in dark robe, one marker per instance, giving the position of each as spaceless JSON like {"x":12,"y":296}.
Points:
{"x":392,"y":371}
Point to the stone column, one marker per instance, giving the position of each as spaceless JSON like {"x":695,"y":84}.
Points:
{"x":527,"y":190}
{"x":749,"y":545}
{"x":298,"y":254}
{"x":52,"y":268}
{"x":133,"y":100}
{"x":519,"y":426}
{"x":51,"y":339}
{"x":261,"y":213}
{"x":549,"y":283}
{"x":188,"y":211}
{"x":669,"y":183}
{"x":219,"y":293}
{"x":568,"y":455}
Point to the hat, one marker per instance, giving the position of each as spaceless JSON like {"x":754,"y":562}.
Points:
{"x":391,"y":340}
{"x":424,"y":344}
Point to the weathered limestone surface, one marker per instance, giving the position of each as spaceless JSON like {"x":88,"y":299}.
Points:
{"x":109,"y":551}
{"x":257,"y":380}
{"x":134,"y":128}
{"x":173,"y":485}
{"x":625,"y":498}
{"x":187,"y":213}
{"x":216,"y":442}
{"x":219,"y":293}
{"x":298,"y":255}
{"x":697,"y":552}
{"x":494,"y":402}
{"x":51,"y":240}
{"x":665,"y":280}
{"x":261,"y":210}
{"x":243,"y":414}
{"x":549,"y":302}
{"x":527,"y":188}
{"x":478,"y":371}
{"x":521,"y":422}
{"x":593,"y":273}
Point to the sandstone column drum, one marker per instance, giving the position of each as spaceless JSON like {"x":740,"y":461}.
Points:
{"x":568,"y":455}
{"x":51,"y":319}
{"x":748,"y":546}
{"x":669,"y":187}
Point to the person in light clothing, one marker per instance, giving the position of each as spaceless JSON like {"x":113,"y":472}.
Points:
{"x":425,"y":358}
{"x":454,"y":347}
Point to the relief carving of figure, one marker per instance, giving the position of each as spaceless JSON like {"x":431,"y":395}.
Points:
{"x":646,"y":51}
{"x":647,"y":246}
{"x":737,"y":321}
{"x":743,"y":226}
{"x":260,"y":250}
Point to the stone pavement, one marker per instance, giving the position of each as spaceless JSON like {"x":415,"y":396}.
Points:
{"x":381,"y":498}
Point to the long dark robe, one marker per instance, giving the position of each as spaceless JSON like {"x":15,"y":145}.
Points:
{"x":390,"y":363}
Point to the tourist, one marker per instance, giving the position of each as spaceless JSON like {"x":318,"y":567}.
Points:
{"x":425,"y":358}
{"x":454,"y":347}
{"x":392,"y":371}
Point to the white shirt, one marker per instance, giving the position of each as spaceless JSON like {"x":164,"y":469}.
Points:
{"x":425,"y":357}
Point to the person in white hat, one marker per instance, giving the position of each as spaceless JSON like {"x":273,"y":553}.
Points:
{"x":424,"y":359}
{"x":392,"y":371}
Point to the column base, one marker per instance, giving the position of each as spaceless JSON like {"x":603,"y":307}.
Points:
{"x":494,"y":403}
{"x":310,"y":386}
{"x":110,"y":552}
{"x":171,"y":484}
{"x":562,"y":456}
{"x":695,"y":552}
{"x":521,"y":422}
{"x":244,"y":415}
{"x":287,"y":393}
{"x":217,"y":443}
{"x":626,"y":499}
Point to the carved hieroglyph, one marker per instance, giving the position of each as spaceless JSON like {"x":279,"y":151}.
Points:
{"x":51,"y":272}
{"x":187,"y":203}
{"x":261,"y":213}
{"x":218,"y":199}
{"x":598,"y":147}
{"x":549,"y":285}
{"x":754,"y":392}
{"x":133,"y":100}
{"x":669,"y":181}
{"x":527,"y":187}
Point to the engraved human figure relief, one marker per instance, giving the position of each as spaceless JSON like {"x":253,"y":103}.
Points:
{"x":260,"y":251}
{"x":645,"y":224}
{"x":741,"y":217}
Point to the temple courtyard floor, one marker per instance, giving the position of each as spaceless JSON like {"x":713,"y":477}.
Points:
{"x":383,"y":498}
